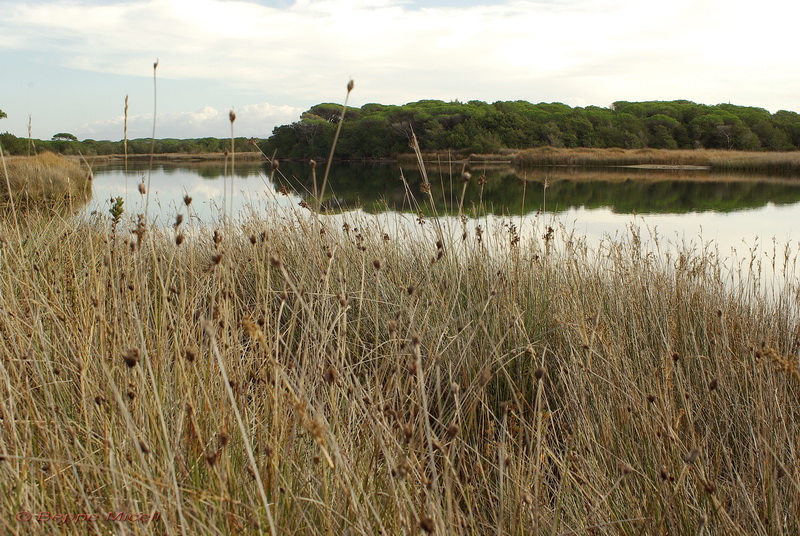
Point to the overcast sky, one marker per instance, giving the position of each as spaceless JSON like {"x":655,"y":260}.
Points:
{"x":68,"y":64}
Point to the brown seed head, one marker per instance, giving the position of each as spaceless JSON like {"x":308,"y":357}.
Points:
{"x":179,"y":239}
{"x":427,"y":524}
{"x":692,"y":456}
{"x":232,"y":116}
{"x":142,"y":189}
{"x":624,"y":468}
{"x":330,"y":375}
{"x":350,"y":85}
{"x":131,"y":357}
{"x":485,"y":377}
{"x":538,"y":373}
{"x":187,"y":200}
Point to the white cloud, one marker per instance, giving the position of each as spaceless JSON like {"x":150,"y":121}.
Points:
{"x":574,"y":51}
{"x":252,"y":120}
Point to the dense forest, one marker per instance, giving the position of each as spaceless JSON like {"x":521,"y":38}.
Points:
{"x":380,"y":131}
{"x":377,"y":130}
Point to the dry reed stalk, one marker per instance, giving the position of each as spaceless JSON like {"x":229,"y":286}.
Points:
{"x":350,"y":85}
{"x":153,"y":137}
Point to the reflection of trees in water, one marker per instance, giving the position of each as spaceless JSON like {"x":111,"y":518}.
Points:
{"x":378,"y":186}
{"x":207,"y":170}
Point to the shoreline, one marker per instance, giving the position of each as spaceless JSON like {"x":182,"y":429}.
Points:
{"x":778,"y":163}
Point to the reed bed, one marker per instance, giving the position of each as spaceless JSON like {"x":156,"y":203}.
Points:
{"x":323,"y":375}
{"x":46,"y":177}
{"x":784,"y":163}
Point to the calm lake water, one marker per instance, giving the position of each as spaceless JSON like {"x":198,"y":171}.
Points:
{"x":735,"y":214}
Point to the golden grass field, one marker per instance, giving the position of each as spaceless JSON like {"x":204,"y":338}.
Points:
{"x":46,"y":177}
{"x":291,"y":375}
{"x":295,"y":374}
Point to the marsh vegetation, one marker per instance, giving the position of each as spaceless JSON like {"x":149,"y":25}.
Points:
{"x":297,"y":374}
{"x":44,"y":178}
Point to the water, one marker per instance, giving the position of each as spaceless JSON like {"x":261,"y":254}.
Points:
{"x":747,"y":218}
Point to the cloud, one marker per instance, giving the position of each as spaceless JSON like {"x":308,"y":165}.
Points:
{"x":252,"y":121}
{"x":304,"y":52}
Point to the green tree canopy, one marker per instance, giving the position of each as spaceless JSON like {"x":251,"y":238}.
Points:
{"x":2,"y":114}
{"x":377,"y":130}
{"x":64,"y":136}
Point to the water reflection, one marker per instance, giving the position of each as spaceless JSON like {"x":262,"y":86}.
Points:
{"x":625,"y":191}
{"x":379,"y":187}
{"x":743,"y":216}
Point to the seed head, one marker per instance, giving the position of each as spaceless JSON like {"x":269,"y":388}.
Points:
{"x":427,"y":524}
{"x":131,"y":357}
{"x":330,"y":375}
{"x":142,"y":189}
{"x":350,"y":85}
{"x":232,"y":116}
{"x":692,"y":456}
{"x":624,"y":468}
{"x":187,"y":200}
{"x":485,"y":377}
{"x":179,"y":239}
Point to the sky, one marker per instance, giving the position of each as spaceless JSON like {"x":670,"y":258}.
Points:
{"x":67,"y":65}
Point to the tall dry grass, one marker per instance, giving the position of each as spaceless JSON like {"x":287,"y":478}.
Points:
{"x":46,"y":177}
{"x":327,"y":376}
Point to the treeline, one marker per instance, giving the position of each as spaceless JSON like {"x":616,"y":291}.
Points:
{"x":377,"y":130}
{"x":22,"y":146}
{"x":381,"y":131}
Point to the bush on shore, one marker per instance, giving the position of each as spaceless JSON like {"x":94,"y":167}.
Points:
{"x":45,"y":177}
